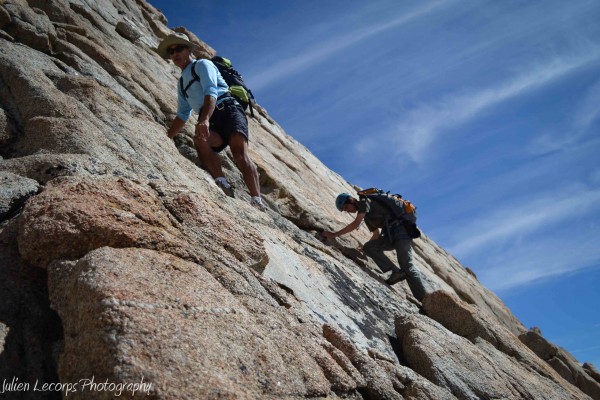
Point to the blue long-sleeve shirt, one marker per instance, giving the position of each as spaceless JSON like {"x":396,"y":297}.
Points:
{"x":211,"y":83}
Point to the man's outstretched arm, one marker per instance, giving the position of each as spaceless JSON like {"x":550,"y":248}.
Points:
{"x":176,"y":126}
{"x":348,"y":228}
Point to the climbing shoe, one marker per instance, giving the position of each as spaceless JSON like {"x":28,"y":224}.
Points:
{"x":396,"y":277}
{"x":257,"y":202}
{"x":226,"y":188}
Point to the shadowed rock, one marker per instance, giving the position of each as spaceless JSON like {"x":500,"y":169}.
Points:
{"x":568,"y":367}
{"x":14,"y":190}
{"x":473,"y":370}
{"x":143,"y":313}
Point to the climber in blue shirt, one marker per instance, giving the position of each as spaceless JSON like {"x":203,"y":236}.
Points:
{"x":211,"y":84}
{"x":221,"y":120}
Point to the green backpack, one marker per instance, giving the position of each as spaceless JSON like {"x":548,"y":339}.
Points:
{"x":236,"y":84}
{"x":237,"y":87}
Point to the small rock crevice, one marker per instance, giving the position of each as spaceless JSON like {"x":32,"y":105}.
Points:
{"x":9,"y":134}
{"x":31,"y":332}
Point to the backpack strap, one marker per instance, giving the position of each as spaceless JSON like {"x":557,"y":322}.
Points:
{"x":250,"y":103}
{"x":195,"y":78}
{"x":379,"y":200}
{"x":390,"y":220}
{"x":409,"y":224}
{"x":234,"y":78}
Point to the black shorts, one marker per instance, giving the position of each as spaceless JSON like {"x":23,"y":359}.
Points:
{"x":227,"y":119}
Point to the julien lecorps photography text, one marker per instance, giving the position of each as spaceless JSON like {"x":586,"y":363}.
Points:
{"x":85,"y":385}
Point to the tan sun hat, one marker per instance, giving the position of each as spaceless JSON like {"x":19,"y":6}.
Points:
{"x":173,"y":38}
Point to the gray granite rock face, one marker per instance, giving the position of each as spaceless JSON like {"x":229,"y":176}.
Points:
{"x":14,"y":191}
{"x":127,"y":260}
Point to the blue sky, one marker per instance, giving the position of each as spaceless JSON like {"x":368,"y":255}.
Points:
{"x":486,"y":114}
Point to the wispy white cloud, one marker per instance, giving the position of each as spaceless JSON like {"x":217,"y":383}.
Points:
{"x":325,"y":49}
{"x":549,"y":142}
{"x":586,"y":113}
{"x":526,"y":242}
{"x":420,"y":127}
{"x":518,"y":219}
{"x":589,"y":110}
{"x":586,"y":349}
{"x":581,"y":339}
{"x":536,"y":263}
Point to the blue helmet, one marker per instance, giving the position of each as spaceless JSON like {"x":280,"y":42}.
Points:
{"x":341,"y":200}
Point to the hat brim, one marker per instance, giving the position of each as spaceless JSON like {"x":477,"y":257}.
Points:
{"x":169,"y":41}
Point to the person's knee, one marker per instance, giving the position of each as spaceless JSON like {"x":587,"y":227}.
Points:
{"x":406,"y":263}
{"x":202,"y":146}
{"x":239,"y":150}
{"x":370,"y":248}
{"x":214,"y":140}
{"x":199,"y":143}
{"x":240,"y":156}
{"x":242,"y":161}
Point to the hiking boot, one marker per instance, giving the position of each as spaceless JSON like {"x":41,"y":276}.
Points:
{"x":396,"y":277}
{"x":227,"y":189}
{"x":257,"y":203}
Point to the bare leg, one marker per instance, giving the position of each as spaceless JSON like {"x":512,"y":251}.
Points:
{"x":209,"y":158}
{"x":239,"y":149}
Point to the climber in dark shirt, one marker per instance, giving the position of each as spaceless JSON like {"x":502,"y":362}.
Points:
{"x":377,"y":217}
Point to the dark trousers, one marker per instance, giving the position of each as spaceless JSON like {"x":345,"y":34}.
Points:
{"x":404,"y":252}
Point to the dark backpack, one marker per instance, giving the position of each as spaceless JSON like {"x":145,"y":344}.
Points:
{"x":401,"y":210}
{"x":236,"y":84}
